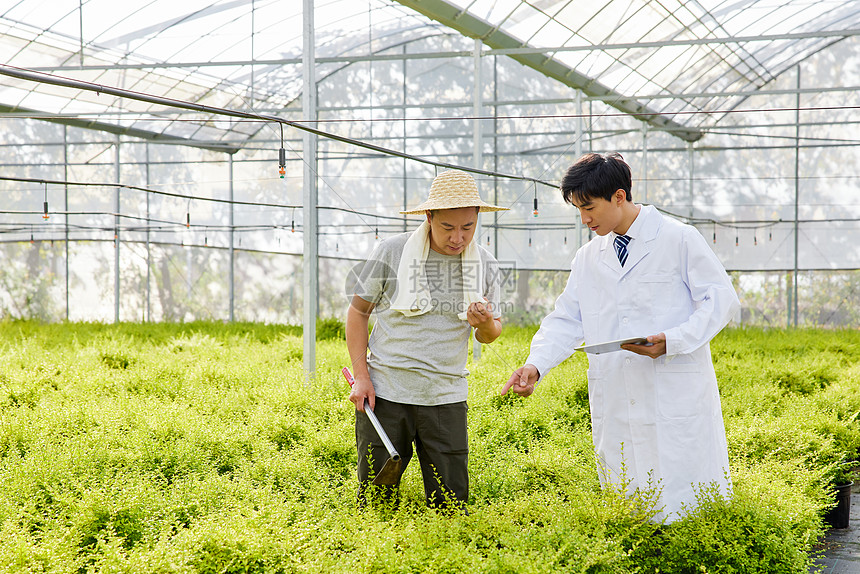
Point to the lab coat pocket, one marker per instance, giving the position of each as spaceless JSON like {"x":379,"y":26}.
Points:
{"x":680,"y":387}
{"x":676,"y":364}
{"x":657,"y":291}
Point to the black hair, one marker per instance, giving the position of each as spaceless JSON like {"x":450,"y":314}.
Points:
{"x":594,"y":175}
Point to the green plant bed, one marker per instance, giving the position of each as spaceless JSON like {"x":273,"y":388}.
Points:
{"x":201,"y":448}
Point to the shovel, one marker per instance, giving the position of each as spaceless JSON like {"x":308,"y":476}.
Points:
{"x":390,"y":472}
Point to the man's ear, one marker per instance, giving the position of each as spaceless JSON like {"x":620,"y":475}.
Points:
{"x":620,"y":196}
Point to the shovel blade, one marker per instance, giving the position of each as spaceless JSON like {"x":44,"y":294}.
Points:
{"x":390,"y":473}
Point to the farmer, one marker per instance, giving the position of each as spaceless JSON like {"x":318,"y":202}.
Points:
{"x":655,"y":409}
{"x":427,"y":289}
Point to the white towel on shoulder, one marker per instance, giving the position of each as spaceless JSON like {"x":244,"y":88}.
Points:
{"x":412,"y":295}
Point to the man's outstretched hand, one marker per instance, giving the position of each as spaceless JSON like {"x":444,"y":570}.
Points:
{"x":522,"y":381}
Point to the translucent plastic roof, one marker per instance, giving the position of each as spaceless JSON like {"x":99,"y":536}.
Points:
{"x":237,"y":54}
{"x":677,"y":64}
{"x":689,"y":59}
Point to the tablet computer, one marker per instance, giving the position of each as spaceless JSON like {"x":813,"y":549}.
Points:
{"x":611,"y":346}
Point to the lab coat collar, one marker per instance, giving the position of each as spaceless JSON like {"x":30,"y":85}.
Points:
{"x":643,"y":230}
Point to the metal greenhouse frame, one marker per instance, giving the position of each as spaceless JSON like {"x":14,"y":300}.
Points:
{"x":157,"y":142}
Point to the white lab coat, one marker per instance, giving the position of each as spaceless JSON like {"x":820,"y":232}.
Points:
{"x":657,"y":420}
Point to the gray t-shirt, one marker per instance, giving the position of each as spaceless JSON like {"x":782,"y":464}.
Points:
{"x":421,"y":360}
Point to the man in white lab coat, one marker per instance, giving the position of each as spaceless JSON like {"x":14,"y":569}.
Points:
{"x":655,"y":407}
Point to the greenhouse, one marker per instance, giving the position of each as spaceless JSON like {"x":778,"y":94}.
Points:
{"x":234,"y":162}
{"x":735,"y":116}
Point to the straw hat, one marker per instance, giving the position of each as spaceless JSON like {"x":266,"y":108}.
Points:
{"x":453,"y":189}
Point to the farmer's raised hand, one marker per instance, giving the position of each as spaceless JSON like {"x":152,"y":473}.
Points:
{"x":480,"y":316}
{"x":522,"y":381}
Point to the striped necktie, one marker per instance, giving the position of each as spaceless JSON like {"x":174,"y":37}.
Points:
{"x":621,"y":242}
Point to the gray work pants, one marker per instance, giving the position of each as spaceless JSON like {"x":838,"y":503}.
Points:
{"x":441,"y":441}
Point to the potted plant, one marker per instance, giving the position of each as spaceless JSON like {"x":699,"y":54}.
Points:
{"x":841,"y":481}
